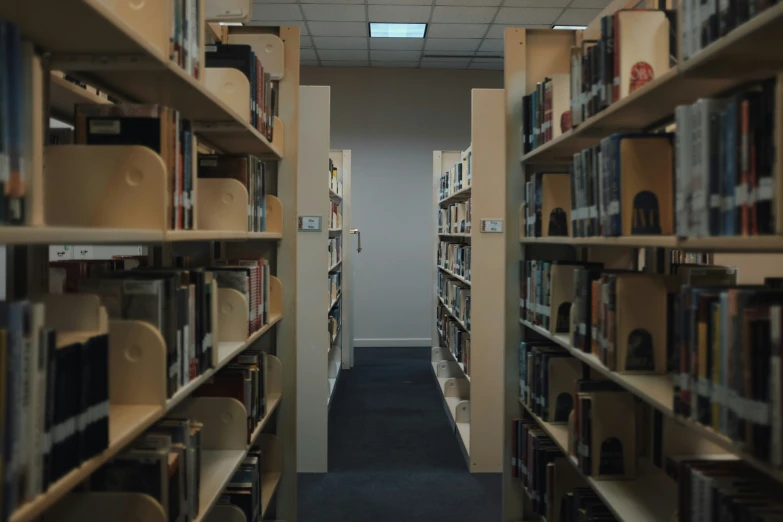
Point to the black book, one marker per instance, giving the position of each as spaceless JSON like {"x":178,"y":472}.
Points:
{"x":49,"y":343}
{"x":99,"y":430}
{"x":65,"y":439}
{"x":765,"y":159}
{"x":526,"y":124}
{"x":242,"y":58}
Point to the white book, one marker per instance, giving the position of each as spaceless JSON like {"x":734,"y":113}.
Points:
{"x":682,"y":170}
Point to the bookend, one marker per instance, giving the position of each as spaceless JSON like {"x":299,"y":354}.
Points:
{"x":641,"y":325}
{"x":457,"y":387}
{"x":449,"y":368}
{"x":441,"y":354}
{"x":105,"y":186}
{"x":233,"y":311}
{"x":268,"y":47}
{"x":224,"y":419}
{"x":278,"y":135}
{"x":274,"y":380}
{"x":613,"y":436}
{"x":231,"y":86}
{"x":151,"y":20}
{"x":120,"y":507}
{"x":274,"y":214}
{"x":222,"y":204}
{"x":463,"y":412}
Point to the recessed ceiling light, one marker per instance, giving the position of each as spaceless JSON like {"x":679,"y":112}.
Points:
{"x":230,"y":23}
{"x":385,"y":30}
{"x":571,"y":27}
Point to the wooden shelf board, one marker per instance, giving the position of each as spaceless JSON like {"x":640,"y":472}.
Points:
{"x":126,"y":422}
{"x":45,"y":235}
{"x":335,"y":266}
{"x":335,"y":231}
{"x":463,"y":428}
{"x":272,"y":401}
{"x":333,"y":195}
{"x":217,"y":468}
{"x":269,"y":483}
{"x":184,"y":392}
{"x":265,"y":236}
{"x":229,"y":350}
{"x":455,"y":276}
{"x":650,"y":497}
{"x":237,"y":138}
{"x":460,"y":195}
{"x":148,"y":75}
{"x":449,"y":234}
{"x":453,"y":316}
{"x":65,"y":95}
{"x":204,"y":235}
{"x":623,"y":241}
{"x":771,"y":243}
{"x":336,"y":299}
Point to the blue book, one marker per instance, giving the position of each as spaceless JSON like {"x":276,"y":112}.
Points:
{"x":615,"y":210}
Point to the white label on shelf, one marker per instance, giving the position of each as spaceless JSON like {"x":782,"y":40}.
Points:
{"x":719,"y":394}
{"x":703,"y":387}
{"x":758,"y":412}
{"x":740,"y":194}
{"x":685,"y":381}
{"x":514,"y":461}
{"x":544,"y":310}
{"x":492,"y":225}
{"x":524,"y":469}
{"x":751,"y":195}
{"x":728,"y":203}
{"x":734,"y":402}
{"x":715,"y":201}
{"x":309,"y":223}
{"x":614,"y":208}
{"x":523,"y":303}
{"x":583,"y":450}
{"x":593,"y":212}
{"x":764,"y":190}
{"x":582,"y":329}
{"x":104,"y":126}
{"x":531,"y":220}
{"x":698,"y":199}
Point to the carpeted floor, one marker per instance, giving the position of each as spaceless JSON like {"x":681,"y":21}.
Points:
{"x":392,"y":454}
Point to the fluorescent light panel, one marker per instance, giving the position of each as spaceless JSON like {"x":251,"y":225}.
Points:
{"x":385,"y":30}
{"x":570,"y":27}
{"x":230,"y":23}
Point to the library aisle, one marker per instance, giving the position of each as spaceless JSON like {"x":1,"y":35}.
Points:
{"x":392,"y":453}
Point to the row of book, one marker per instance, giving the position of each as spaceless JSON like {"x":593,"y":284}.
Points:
{"x":457,"y":178}
{"x":16,"y":77}
{"x":546,"y":291}
{"x":557,"y":491}
{"x":248,"y":170}
{"x":703,"y":22}
{"x":636,"y":46}
{"x":725,"y":164}
{"x":538,"y":125}
{"x":54,"y":405}
{"x":547,"y":205}
{"x":454,"y":337}
{"x":335,"y":250}
{"x":87,"y":87}
{"x":263,"y":95}
{"x":244,"y":490}
{"x":546,"y":379}
{"x":335,"y":285}
{"x":335,"y":216}
{"x":728,"y":339}
{"x":456,"y":296}
{"x":455,"y":218}
{"x":185,"y":35}
{"x":334,"y":322}
{"x":455,"y":257}
{"x":335,"y":185}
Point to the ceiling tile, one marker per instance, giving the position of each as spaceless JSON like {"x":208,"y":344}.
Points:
{"x":589,"y":4}
{"x":399,"y":13}
{"x":395,"y":56}
{"x":397,"y":44}
{"x":330,"y":54}
{"x":359,"y":2}
{"x":484,"y":59}
{"x":469,"y":3}
{"x":492,"y":45}
{"x":396,"y":64}
{"x":485,"y":65}
{"x":489,"y":54}
{"x":307,"y":54}
{"x":339,"y":42}
{"x":537,"y":3}
{"x":578,"y":16}
{"x":532,"y":15}
{"x":277,"y":12}
{"x":338,"y":28}
{"x":431,"y":64}
{"x":334,"y":13}
{"x":452,"y":44}
{"x":428,"y":57}
{"x":265,"y":23}
{"x":345,"y":63}
{"x":463,"y":15}
{"x":305,"y":42}
{"x":456,"y":30}
{"x":400,"y":2}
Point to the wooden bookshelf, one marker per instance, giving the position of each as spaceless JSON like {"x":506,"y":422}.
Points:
{"x":124,"y":51}
{"x":471,"y":403}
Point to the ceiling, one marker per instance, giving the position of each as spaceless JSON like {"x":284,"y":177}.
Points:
{"x":462,"y":34}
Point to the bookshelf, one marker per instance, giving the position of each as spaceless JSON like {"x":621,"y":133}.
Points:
{"x":117,"y":48}
{"x":341,"y":350}
{"x":530,"y":56}
{"x":470,"y":399}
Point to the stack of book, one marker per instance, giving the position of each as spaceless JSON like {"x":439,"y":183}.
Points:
{"x":50,"y":380}
{"x":636,"y":47}
{"x":335,"y":250}
{"x":263,"y":98}
{"x":725,"y":164}
{"x":248,"y":170}
{"x":16,"y":108}
{"x":164,"y":463}
{"x":175,"y":301}
{"x":546,"y":379}
{"x":251,"y":278}
{"x":158,"y":128}
{"x":185,"y":36}
{"x":455,"y":218}
{"x":728,"y":342}
{"x":243,"y":379}
{"x":455,"y":257}
{"x":244,"y":489}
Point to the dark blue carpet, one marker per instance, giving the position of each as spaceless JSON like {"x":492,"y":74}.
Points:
{"x":392,"y":454}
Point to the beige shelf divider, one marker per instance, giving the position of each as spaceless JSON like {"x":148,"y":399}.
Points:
{"x":268,"y":47}
{"x":222,"y":204}
{"x":105,"y":187}
{"x":272,"y":451}
{"x":151,"y":21}
{"x":274,"y":215}
{"x":234,"y":311}
{"x":119,"y":507}
{"x":224,"y":419}
{"x":231,"y":86}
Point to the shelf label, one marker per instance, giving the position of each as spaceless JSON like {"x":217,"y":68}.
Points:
{"x":309,"y":223}
{"x":492,"y":225}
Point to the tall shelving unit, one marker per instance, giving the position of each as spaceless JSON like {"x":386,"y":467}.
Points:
{"x":471,"y":400}
{"x":742,"y":56}
{"x":131,"y":41}
{"x":341,"y":349}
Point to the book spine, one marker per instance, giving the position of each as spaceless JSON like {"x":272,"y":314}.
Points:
{"x":731,"y":160}
{"x":714,"y":172}
{"x":617,"y":40}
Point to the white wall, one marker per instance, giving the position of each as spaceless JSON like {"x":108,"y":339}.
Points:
{"x":392,"y":120}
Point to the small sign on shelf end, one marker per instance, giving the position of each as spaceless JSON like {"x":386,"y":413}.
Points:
{"x":492,"y":225}
{"x":309,"y":223}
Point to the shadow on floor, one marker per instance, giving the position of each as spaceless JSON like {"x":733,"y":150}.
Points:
{"x":392,"y":454}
